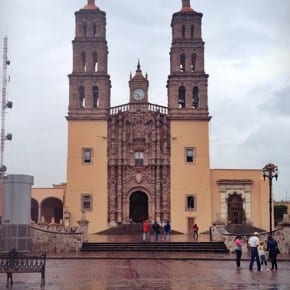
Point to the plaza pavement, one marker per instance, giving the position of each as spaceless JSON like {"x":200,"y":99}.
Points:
{"x":151,"y":270}
{"x":121,"y":272}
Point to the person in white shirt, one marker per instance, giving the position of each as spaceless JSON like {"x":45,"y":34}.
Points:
{"x":253,"y":244}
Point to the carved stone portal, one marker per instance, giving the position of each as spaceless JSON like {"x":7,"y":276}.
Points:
{"x":138,"y":165}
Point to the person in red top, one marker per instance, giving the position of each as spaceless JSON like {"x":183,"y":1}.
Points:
{"x":146,"y":231}
{"x":195,"y":232}
{"x":238,"y":250}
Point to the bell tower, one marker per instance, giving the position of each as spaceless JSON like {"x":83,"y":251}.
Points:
{"x":187,"y":82}
{"x":89,"y":93}
{"x":189,"y":120}
{"x":138,"y":85}
{"x":88,"y":113}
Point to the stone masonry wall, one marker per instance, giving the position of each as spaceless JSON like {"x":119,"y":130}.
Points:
{"x":281,"y":234}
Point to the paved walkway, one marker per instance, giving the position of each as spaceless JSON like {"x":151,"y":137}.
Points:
{"x":108,"y":274}
{"x":151,"y":270}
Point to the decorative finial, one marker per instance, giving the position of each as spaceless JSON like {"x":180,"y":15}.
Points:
{"x":185,"y":3}
{"x":138,"y":66}
{"x":91,"y":5}
{"x":186,"y":6}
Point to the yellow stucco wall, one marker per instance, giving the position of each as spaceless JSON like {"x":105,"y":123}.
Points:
{"x":87,"y":178}
{"x":187,"y":178}
{"x":259,"y":195}
{"x":42,"y":193}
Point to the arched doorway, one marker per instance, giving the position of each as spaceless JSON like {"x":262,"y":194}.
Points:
{"x":235,"y":209}
{"x":52,"y":207}
{"x":138,"y":207}
{"x":34,"y":210}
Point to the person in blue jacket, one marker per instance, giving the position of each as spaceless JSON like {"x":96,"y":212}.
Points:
{"x":273,"y":249}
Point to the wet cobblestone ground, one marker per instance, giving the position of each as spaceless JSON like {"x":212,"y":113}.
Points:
{"x":123,"y":273}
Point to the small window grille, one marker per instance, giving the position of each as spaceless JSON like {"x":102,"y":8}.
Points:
{"x":86,"y":202}
{"x":87,"y":156}
{"x":139,"y":158}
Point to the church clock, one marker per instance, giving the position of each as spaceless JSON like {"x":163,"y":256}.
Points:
{"x":138,"y":94}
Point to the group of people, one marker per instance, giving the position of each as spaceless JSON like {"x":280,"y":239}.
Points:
{"x":258,"y":252}
{"x":146,"y":227}
{"x":156,"y":231}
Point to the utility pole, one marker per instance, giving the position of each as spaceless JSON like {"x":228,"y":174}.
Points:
{"x":5,"y":105}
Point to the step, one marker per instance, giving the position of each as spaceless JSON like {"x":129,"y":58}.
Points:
{"x":157,"y":246}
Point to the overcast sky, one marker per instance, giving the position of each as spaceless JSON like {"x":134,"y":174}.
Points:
{"x":247,"y":55}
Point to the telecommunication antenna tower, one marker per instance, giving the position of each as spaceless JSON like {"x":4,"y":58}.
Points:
{"x":5,"y":105}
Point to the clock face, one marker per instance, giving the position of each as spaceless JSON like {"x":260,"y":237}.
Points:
{"x":138,"y":94}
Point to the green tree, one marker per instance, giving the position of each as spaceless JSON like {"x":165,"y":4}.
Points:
{"x":279,"y":211}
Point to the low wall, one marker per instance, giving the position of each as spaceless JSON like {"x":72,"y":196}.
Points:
{"x":280,"y":234}
{"x":51,"y":241}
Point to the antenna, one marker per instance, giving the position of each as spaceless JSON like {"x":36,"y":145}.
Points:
{"x":5,"y":105}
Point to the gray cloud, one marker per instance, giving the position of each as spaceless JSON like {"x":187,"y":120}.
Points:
{"x":247,"y":58}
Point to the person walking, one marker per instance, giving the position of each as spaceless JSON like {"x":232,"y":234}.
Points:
{"x":238,"y":243}
{"x":146,"y":231}
{"x":195,"y":232}
{"x":262,"y":254}
{"x":253,"y":244}
{"x":167,"y":229}
{"x":156,"y":229}
{"x":273,"y":249}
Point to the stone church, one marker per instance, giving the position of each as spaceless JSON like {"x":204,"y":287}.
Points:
{"x":139,"y":160}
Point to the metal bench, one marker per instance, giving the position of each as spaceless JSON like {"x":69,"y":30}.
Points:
{"x":14,"y":262}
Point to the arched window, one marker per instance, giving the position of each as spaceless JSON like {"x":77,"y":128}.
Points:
{"x":95,"y":62}
{"x":95,"y":97}
{"x":85,"y":29}
{"x":192,"y":32}
{"x":182,"y":63}
{"x":83,"y":61}
{"x":52,"y":207}
{"x":195,"y":97}
{"x":94,"y":30}
{"x":81,"y":97}
{"x":193,"y":62}
{"x":34,"y":210}
{"x":181,"y":97}
{"x":183,"y":31}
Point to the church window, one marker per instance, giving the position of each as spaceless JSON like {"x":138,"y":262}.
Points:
{"x":85,"y":29}
{"x":139,"y":158}
{"x":183,"y":31}
{"x":81,"y":97}
{"x":195,"y":97}
{"x":95,"y":97}
{"x":95,"y":30}
{"x":193,"y":62}
{"x":95,"y":62}
{"x":87,"y":155}
{"x":190,"y":202}
{"x":86,"y":202}
{"x":182,"y":62}
{"x":83,"y":61}
{"x":192,"y":31}
{"x":189,"y":155}
{"x":181,"y":97}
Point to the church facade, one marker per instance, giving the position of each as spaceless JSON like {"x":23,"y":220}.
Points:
{"x":139,"y":160}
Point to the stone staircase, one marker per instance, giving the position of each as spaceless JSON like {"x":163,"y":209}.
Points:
{"x":121,"y":244}
{"x":198,"y":247}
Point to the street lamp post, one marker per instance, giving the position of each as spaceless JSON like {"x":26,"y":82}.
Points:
{"x":270,"y":171}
